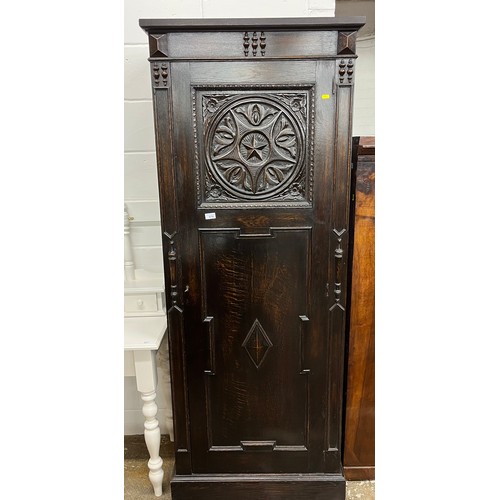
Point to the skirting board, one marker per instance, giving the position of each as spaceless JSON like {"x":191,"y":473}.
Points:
{"x":135,"y":447}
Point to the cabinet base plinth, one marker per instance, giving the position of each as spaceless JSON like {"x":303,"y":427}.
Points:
{"x":257,"y":486}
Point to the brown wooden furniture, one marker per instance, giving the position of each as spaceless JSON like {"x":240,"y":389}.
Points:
{"x":253,"y":135}
{"x":359,"y":447}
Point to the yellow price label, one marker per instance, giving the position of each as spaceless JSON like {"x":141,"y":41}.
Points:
{"x":325,"y":96}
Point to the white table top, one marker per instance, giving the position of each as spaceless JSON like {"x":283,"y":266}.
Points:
{"x":145,"y":282}
{"x":144,"y":332}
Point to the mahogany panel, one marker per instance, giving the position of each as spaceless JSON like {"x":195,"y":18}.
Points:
{"x":359,"y":450}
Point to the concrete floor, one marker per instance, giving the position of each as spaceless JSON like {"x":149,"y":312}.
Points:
{"x":138,"y":487}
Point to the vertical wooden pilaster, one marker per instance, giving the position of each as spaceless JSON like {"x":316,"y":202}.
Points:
{"x":172,"y":247}
{"x":339,"y":237}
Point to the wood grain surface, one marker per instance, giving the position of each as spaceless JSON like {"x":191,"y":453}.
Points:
{"x":359,"y":450}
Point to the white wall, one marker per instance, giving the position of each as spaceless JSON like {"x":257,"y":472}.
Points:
{"x":364,"y":89}
{"x":141,"y":191}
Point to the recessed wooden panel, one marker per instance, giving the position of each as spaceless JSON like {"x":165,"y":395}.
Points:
{"x":262,"y":292}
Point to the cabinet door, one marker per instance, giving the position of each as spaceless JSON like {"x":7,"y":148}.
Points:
{"x":253,"y":146}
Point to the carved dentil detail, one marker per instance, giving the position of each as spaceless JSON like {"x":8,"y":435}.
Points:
{"x":160,"y":74}
{"x":346,"y":67}
{"x":257,"y":41}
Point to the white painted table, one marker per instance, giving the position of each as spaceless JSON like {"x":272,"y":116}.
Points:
{"x":143,"y":336}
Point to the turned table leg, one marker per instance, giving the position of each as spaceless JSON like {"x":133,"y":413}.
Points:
{"x":146,"y":376}
{"x":152,"y":437}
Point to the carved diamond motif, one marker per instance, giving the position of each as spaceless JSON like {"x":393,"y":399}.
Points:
{"x":158,"y":45}
{"x":346,"y":42}
{"x":257,"y":344}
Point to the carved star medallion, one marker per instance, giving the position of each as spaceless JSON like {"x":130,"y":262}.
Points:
{"x":254,"y":147}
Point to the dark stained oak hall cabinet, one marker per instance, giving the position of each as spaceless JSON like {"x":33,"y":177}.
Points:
{"x":253,"y":138}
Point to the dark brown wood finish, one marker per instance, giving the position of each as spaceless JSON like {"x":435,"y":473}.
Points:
{"x":253,"y":121}
{"x":359,"y":450}
{"x":269,"y":486}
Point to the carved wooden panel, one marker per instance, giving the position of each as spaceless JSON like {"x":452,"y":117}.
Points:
{"x":254,"y":147}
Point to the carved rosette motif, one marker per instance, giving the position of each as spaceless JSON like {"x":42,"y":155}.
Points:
{"x":255,"y":148}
